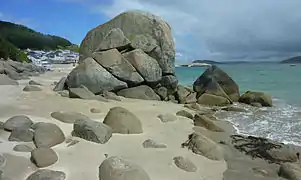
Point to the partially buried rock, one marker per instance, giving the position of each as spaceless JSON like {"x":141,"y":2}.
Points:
{"x":117,"y":168}
{"x":202,"y":145}
{"x":149,"y":143}
{"x":290,"y":171}
{"x":139,"y":92}
{"x":32,"y":82}
{"x":6,"y":80}
{"x":204,"y":121}
{"x":68,"y":117}
{"x":184,"y":113}
{"x":92,"y":131}
{"x":184,"y":164}
{"x":31,"y":88}
{"x":213,"y":100}
{"x":81,"y":92}
{"x":64,"y":93}
{"x":123,"y":121}
{"x":45,"y":174}
{"x":19,"y":121}
{"x":47,"y":135}
{"x":24,"y":147}
{"x":21,"y":135}
{"x":251,"y":97}
{"x":2,"y":161}
{"x":167,"y":117}
{"x":43,"y":157}
{"x":95,"y":110}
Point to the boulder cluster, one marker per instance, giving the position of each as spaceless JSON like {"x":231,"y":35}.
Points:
{"x":10,"y":71}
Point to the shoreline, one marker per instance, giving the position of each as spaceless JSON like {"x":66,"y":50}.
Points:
{"x":156,"y":162}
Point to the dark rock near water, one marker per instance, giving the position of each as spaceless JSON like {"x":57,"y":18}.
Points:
{"x":162,"y":92}
{"x":21,"y":135}
{"x":45,"y":174}
{"x":68,"y":117}
{"x":61,"y":85}
{"x":204,"y":121}
{"x":149,"y":143}
{"x":234,"y":109}
{"x":170,"y":82}
{"x":93,"y":76}
{"x":263,"y":148}
{"x":184,"y":113}
{"x":214,"y":80}
{"x":92,"y":131}
{"x":184,"y":164}
{"x":202,"y":145}
{"x":117,"y":168}
{"x":47,"y":135}
{"x":29,"y":88}
{"x":139,"y":92}
{"x":19,"y":121}
{"x":118,"y":66}
{"x":123,"y":121}
{"x":251,"y":97}
{"x":43,"y":157}
{"x":6,"y":80}
{"x":213,"y":100}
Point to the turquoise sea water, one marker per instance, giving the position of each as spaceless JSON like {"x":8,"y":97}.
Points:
{"x":282,"y":81}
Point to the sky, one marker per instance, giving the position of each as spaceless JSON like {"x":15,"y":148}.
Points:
{"x":222,"y":30}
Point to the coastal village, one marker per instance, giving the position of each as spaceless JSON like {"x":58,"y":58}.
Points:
{"x":121,"y":114}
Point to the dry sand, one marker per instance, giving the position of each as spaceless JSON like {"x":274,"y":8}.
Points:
{"x":82,"y":160}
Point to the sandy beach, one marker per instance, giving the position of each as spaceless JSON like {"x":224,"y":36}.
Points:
{"x":81,"y":161}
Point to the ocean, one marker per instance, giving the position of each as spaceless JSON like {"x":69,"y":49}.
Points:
{"x":282,"y":122}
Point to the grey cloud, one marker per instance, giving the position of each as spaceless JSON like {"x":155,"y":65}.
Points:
{"x":226,"y":30}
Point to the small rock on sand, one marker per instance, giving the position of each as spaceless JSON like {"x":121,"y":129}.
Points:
{"x":184,"y":113}
{"x":290,"y":171}
{"x":167,"y":118}
{"x":92,"y":131}
{"x":43,"y":157}
{"x":123,"y":121}
{"x":47,"y":135}
{"x":19,"y":121}
{"x":149,"y":143}
{"x":47,"y":174}
{"x":68,"y":117}
{"x":95,"y":110}
{"x":24,"y":147}
{"x":21,"y":135}
{"x":32,"y":82}
{"x":117,"y":168}
{"x":184,"y":164}
{"x":32,"y":88}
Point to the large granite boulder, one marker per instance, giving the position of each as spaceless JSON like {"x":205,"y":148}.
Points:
{"x":213,"y":100}
{"x":145,"y":31}
{"x":117,"y":65}
{"x":123,"y":121}
{"x":93,"y":76}
{"x":139,"y":92}
{"x":147,"y":66}
{"x":251,"y":97}
{"x":117,"y":168}
{"x":217,"y":82}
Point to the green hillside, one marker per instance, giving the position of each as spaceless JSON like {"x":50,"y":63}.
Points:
{"x":14,"y":37}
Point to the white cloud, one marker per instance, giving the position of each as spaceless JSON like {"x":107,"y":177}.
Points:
{"x":224,"y":30}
